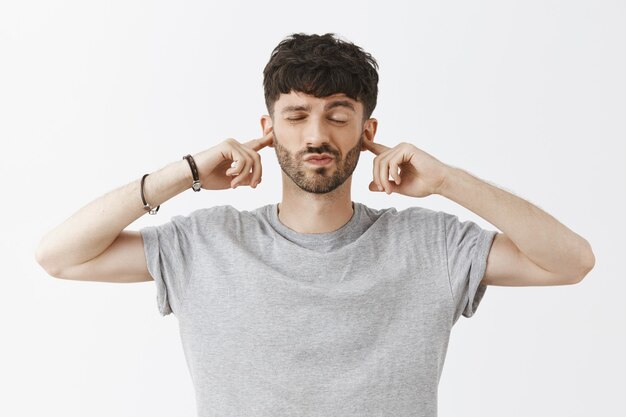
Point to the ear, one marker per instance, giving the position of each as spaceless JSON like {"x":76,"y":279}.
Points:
{"x":369,"y":130}
{"x":266,"y":126}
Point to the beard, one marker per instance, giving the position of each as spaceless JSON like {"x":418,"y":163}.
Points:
{"x":318,"y":180}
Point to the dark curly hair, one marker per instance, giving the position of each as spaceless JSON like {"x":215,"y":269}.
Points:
{"x":321,"y":65}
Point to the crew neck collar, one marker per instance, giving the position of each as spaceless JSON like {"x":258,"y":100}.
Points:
{"x":325,"y":237}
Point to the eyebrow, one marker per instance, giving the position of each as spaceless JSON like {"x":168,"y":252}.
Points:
{"x":331,"y":105}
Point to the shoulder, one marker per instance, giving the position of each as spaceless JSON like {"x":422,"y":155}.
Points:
{"x":226,"y":217}
{"x":410,"y":220}
{"x":206,"y":216}
{"x":422,"y":214}
{"x":409,"y":214}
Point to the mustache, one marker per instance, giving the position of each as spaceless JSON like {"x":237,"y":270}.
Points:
{"x":317,"y":150}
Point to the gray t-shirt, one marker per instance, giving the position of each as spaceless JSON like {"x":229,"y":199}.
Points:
{"x":353,"y":322}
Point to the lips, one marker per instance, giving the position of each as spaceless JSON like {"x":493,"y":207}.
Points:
{"x":318,"y":157}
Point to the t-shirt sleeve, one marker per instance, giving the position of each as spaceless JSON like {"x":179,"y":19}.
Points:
{"x":169,"y":255}
{"x":467,"y":249}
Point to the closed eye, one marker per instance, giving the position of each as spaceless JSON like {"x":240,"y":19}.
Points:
{"x":295,"y":119}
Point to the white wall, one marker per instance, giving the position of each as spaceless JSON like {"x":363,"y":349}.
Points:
{"x":528,"y":95}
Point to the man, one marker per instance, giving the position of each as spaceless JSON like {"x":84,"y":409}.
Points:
{"x":317,"y":305}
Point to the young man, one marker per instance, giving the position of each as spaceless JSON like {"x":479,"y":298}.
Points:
{"x":317,"y":305}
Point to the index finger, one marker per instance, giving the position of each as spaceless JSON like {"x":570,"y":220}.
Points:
{"x":258,"y":144}
{"x":374,"y":147}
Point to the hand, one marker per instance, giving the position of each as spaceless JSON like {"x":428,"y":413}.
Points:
{"x":420,"y":175}
{"x":214,"y":164}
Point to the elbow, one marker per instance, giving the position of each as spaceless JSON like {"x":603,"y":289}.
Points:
{"x":588,"y":262}
{"x":44,"y":261}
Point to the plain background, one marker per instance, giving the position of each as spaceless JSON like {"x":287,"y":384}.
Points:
{"x":527,"y":95}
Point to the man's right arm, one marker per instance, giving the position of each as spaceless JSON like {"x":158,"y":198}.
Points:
{"x":92,"y":244}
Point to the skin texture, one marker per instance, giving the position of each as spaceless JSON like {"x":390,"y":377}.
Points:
{"x":319,"y":180}
{"x":534,"y":248}
{"x":317,"y":199}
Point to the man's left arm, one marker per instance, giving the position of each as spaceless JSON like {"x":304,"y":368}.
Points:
{"x":533,"y":249}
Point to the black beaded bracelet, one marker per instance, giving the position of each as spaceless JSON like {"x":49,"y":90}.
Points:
{"x":196,"y":185}
{"x":146,"y":206}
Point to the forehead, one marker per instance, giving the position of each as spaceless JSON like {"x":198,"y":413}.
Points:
{"x":298,"y":100}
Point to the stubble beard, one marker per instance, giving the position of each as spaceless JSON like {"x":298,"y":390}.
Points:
{"x":317,"y":180}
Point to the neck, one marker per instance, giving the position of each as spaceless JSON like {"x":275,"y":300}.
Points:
{"x":305,"y":212}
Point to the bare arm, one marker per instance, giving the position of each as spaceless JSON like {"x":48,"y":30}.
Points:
{"x":92,"y":244}
{"x":535,"y":249}
{"x":99,"y":225}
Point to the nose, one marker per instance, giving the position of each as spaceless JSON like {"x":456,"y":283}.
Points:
{"x":315,"y":133}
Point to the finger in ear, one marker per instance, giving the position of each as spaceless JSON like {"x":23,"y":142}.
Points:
{"x":374,"y":187}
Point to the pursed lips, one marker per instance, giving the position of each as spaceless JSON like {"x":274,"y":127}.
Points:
{"x":319,"y":157}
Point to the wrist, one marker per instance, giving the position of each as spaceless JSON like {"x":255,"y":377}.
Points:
{"x":196,"y":184}
{"x":185,"y":170}
{"x":447,"y":178}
